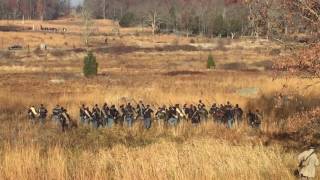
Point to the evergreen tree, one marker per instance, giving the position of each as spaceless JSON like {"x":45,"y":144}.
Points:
{"x":90,"y":67}
{"x":211,"y":64}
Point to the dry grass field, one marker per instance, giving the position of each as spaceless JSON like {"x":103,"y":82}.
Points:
{"x":134,"y":66}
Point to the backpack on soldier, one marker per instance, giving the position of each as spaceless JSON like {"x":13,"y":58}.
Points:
{"x":301,"y":165}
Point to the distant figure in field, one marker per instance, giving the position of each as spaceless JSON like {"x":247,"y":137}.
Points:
{"x":147,"y":115}
{"x":42,"y":114}
{"x":85,"y":115}
{"x":308,"y":161}
{"x":172,"y":116}
{"x":32,"y":114}
{"x":105,"y":114}
{"x":64,"y":119}
{"x":56,"y":111}
{"x":203,"y":112}
{"x":140,"y":110}
{"x":254,"y":119}
{"x":214,"y":112}
{"x":161,"y":115}
{"x":113,"y":116}
{"x":129,"y":114}
{"x":96,"y":114}
{"x":258,"y":119}
{"x":180,"y":113}
{"x":196,"y":117}
{"x":238,"y":113}
{"x":229,"y":115}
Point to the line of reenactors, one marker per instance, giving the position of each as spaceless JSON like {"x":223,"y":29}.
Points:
{"x":59,"y":116}
{"x":127,"y":115}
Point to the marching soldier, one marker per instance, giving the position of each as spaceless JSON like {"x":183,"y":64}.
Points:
{"x":186,"y":111}
{"x":214,"y":112}
{"x":140,"y":110}
{"x":173,"y":116}
{"x":189,"y":111}
{"x":251,"y":118}
{"x":82,"y":114}
{"x":257,"y":119}
{"x":32,"y":114}
{"x":113,"y":115}
{"x":201,"y":104}
{"x":229,"y":114}
{"x":254,"y":119}
{"x":161,"y":115}
{"x":123,"y":114}
{"x":105,"y":114}
{"x":147,"y":114}
{"x":221,"y":114}
{"x":180,"y":113}
{"x":129,"y":114}
{"x":238,"y":114}
{"x":56,"y":113}
{"x":308,"y":161}
{"x":203,"y":113}
{"x":88,"y":115}
{"x":42,"y":114}
{"x":64,"y":119}
{"x":195,"y":119}
{"x":96,"y":112}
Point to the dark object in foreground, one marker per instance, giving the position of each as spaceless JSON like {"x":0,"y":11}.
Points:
{"x":15,"y":47}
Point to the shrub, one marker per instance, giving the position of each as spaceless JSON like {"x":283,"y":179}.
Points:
{"x":235,"y":66}
{"x":5,"y":54}
{"x":58,"y":53}
{"x":211,"y":64}
{"x":127,"y":20}
{"x":90,"y":67}
{"x":175,"y":42}
{"x":275,"y":52}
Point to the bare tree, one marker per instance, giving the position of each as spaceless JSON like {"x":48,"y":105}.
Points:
{"x":304,"y":62}
{"x":105,"y":7}
{"x":87,"y":25}
{"x":153,"y":19}
{"x":307,"y":10}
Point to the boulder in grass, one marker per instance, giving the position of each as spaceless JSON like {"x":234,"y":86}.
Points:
{"x":248,"y":92}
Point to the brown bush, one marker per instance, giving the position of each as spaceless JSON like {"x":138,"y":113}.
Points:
{"x":267,"y":64}
{"x":58,"y":53}
{"x":306,"y":62}
{"x":234,"y":66}
{"x":176,"y":48}
{"x":5,"y":54}
{"x":178,"y":73}
{"x":290,"y":104}
{"x":275,"y":52}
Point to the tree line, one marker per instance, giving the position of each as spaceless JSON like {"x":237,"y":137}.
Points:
{"x":268,"y":18}
{"x":34,"y":9}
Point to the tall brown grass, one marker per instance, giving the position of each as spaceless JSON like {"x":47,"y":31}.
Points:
{"x":196,"y":159}
{"x":208,"y":151}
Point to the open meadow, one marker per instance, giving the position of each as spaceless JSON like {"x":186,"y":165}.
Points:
{"x":160,"y":69}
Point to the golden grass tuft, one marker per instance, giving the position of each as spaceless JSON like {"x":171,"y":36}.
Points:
{"x":199,"y":158}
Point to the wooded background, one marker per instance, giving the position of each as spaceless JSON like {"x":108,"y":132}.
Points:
{"x":268,"y":18}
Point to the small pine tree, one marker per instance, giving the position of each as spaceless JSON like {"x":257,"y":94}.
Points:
{"x":90,"y":67}
{"x":211,"y":64}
